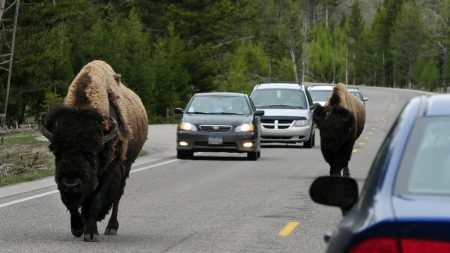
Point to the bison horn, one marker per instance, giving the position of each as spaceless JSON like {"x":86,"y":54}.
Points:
{"x":43,"y":129}
{"x":113,"y":131}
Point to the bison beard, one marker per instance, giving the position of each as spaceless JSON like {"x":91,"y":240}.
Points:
{"x":94,"y":147}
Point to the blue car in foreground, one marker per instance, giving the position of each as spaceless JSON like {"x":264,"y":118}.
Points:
{"x":404,"y":205}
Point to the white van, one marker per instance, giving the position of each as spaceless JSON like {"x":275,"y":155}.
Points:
{"x":288,"y":110}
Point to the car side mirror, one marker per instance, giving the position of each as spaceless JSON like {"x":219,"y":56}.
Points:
{"x":312,"y":107}
{"x":340,"y":192}
{"x":179,"y":110}
{"x":365,"y":99}
{"x":259,"y":113}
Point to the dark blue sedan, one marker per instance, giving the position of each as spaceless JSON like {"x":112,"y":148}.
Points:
{"x":404,"y":205}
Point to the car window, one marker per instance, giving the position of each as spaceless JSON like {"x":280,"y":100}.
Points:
{"x":219,"y":104}
{"x":320,"y":95}
{"x":279,"y":98}
{"x":425,"y":168}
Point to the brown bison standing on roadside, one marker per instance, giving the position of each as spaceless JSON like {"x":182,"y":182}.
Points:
{"x":95,"y":135}
{"x":341,"y":122}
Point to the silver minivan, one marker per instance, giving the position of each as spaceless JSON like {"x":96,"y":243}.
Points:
{"x":288,"y":110}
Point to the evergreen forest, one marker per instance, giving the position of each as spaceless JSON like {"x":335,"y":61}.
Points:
{"x":166,"y":50}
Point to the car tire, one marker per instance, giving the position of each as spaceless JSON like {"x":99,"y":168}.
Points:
{"x":311,"y":142}
{"x":185,"y":154}
{"x":252,"y":156}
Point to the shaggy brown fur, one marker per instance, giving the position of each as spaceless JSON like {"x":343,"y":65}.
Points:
{"x":97,"y":86}
{"x":341,"y":97}
{"x":93,"y":158}
{"x":341,"y":121}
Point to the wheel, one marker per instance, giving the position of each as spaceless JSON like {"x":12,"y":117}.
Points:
{"x":185,"y":154}
{"x":253,"y":156}
{"x":310,"y":143}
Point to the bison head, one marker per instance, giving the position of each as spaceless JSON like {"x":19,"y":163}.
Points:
{"x":80,"y":139}
{"x":335,"y":124}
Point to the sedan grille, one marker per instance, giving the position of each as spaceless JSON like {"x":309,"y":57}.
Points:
{"x":216,"y":128}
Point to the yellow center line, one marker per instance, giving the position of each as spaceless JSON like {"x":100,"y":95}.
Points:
{"x":287,"y":230}
{"x":355,"y":150}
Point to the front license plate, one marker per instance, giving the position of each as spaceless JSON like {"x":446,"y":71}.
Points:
{"x":215,"y":140}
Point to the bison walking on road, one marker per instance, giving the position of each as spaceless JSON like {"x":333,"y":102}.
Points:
{"x":95,"y":135}
{"x":341,"y":121}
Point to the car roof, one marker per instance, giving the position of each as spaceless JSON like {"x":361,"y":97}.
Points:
{"x":217,"y":93}
{"x":329,"y":87}
{"x":437,"y":105}
{"x":279,"y":85}
{"x":321,"y":87}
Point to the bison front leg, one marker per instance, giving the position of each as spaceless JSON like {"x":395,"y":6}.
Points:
{"x":76,"y":223}
{"x":90,"y":214}
{"x":76,"y":220}
{"x":92,"y":208}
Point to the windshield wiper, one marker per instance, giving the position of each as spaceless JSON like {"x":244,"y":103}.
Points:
{"x":229,"y":113}
{"x":198,"y":112}
{"x":279,"y":106}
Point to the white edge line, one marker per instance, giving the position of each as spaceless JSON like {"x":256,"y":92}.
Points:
{"x":55,"y":191}
{"x":153,"y":166}
{"x":27,"y":198}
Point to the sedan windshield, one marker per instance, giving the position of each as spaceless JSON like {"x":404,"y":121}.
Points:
{"x":212,"y":104}
{"x":279,"y":98}
{"x":426,"y":164}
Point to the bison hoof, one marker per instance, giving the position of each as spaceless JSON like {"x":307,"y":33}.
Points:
{"x":91,"y":237}
{"x":77,"y":232}
{"x":110,"y":231}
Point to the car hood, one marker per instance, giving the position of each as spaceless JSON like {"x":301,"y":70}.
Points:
{"x":421,"y":207}
{"x":285,"y":112}
{"x":217,"y":119}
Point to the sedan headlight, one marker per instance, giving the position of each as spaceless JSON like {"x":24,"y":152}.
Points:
{"x":248,"y":127}
{"x":299,"y":123}
{"x":187,"y":126}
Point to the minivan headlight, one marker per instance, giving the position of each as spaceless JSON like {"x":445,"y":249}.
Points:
{"x":247,"y":127}
{"x":187,"y":126}
{"x":301,"y":123}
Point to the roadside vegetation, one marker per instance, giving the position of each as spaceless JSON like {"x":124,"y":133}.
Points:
{"x":24,"y":157}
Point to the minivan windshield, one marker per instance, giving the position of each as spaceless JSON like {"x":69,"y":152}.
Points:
{"x":320,"y":95}
{"x":279,"y":98}
{"x":213,"y":104}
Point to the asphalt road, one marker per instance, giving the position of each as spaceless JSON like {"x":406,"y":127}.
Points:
{"x":213,"y":203}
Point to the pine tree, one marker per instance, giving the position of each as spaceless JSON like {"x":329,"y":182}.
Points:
{"x":405,"y":44}
{"x":355,"y":25}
